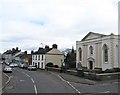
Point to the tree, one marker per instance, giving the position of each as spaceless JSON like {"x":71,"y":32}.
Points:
{"x":70,"y":59}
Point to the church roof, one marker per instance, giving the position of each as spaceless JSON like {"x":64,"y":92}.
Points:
{"x":92,"y":35}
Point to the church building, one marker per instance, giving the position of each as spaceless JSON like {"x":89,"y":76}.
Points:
{"x":97,"y":51}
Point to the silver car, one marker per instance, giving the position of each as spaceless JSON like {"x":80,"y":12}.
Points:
{"x":7,"y":69}
{"x":30,"y":68}
{"x":12,"y":65}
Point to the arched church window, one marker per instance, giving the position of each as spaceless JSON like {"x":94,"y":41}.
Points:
{"x":80,"y":54}
{"x":105,"y":52}
{"x":91,"y":50}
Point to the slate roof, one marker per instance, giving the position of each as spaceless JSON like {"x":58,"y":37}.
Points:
{"x":11,"y":52}
{"x":42,"y":51}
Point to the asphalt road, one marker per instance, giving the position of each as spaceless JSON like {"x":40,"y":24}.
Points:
{"x":24,"y":81}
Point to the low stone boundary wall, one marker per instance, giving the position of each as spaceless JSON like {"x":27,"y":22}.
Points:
{"x":89,"y":75}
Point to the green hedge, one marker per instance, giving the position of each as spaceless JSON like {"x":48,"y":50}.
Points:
{"x":117,"y":69}
{"x":98,"y":70}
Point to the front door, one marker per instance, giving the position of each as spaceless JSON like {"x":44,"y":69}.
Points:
{"x":91,"y":65}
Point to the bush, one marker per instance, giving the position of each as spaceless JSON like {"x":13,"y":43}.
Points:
{"x":49,"y":64}
{"x":56,"y":66}
{"x":109,"y":71}
{"x":98,"y":71}
{"x":98,"y":68}
{"x":84,"y":68}
{"x":117,"y":69}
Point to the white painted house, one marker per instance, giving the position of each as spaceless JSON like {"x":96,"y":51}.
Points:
{"x":38,"y":58}
{"x":47,"y":55}
{"x":97,"y":51}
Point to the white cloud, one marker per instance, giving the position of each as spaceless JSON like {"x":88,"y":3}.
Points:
{"x":31,"y":22}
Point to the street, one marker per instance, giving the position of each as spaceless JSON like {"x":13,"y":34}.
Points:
{"x":40,"y":81}
{"x":24,"y":81}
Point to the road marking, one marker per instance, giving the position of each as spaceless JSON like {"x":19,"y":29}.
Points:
{"x":69,"y":84}
{"x":27,"y":75}
{"x":35,"y":89}
{"x":32,"y":80}
{"x":9,"y":78}
{"x":61,"y":78}
{"x":106,"y":92}
{"x":22,"y":80}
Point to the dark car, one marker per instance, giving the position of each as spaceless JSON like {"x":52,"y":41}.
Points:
{"x":30,"y":68}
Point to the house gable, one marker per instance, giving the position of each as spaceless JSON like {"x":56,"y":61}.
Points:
{"x":55,"y":52}
{"x":92,"y":35}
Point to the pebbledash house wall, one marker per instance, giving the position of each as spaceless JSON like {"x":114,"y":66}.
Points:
{"x":110,"y":40}
{"x":55,"y":56}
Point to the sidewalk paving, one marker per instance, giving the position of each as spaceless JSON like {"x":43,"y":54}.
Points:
{"x":82,"y":80}
{"x":76,"y":79}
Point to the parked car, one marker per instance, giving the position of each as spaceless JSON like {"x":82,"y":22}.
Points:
{"x":7,"y":63}
{"x":24,"y":66}
{"x":15,"y":65}
{"x":7,"y":69}
{"x":12,"y":65}
{"x":30,"y":68}
{"x":21,"y":65}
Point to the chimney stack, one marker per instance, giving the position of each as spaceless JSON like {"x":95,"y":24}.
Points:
{"x":54,"y":46}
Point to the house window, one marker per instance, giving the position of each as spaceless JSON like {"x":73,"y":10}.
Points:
{"x":105,"y":52}
{"x":39,"y":57}
{"x":33,"y":57}
{"x":42,"y":57}
{"x":36,"y":57}
{"x":91,"y":50}
{"x":80,"y":54}
{"x":42,"y":65}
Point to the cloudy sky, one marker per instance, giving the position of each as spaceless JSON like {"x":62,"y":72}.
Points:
{"x":28,"y":23}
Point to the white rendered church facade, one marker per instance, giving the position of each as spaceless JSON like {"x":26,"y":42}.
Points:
{"x":97,"y":51}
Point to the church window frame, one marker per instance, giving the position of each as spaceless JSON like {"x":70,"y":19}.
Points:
{"x":105,"y":53}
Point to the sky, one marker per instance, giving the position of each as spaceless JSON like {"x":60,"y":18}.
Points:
{"x":28,"y":23}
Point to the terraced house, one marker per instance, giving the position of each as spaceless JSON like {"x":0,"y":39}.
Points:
{"x":97,"y":51}
{"x":47,"y":55}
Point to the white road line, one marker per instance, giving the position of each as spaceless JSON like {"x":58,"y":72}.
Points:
{"x":35,"y":89}
{"x":69,"y":84}
{"x":9,"y":78}
{"x":61,"y":78}
{"x":27,"y":75}
{"x":73,"y":87}
{"x":32,"y":80}
{"x":106,"y":92}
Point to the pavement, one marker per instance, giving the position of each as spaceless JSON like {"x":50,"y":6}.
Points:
{"x":81,"y":80}
{"x":76,"y":79}
{"x":71,"y":78}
